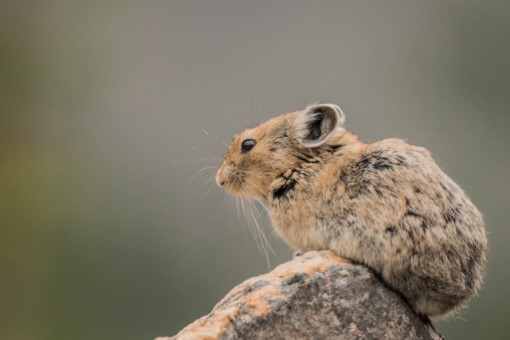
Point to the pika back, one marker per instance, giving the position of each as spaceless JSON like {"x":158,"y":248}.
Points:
{"x":386,"y":204}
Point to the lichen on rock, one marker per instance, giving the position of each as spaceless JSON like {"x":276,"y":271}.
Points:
{"x":314,"y":296}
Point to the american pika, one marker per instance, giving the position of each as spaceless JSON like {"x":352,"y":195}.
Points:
{"x":386,"y":204}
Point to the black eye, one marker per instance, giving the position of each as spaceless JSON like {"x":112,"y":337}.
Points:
{"x":247,"y":145}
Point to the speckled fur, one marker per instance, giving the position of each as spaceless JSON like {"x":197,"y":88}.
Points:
{"x":386,"y":205}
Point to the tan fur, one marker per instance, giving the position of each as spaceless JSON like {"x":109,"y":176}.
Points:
{"x":386,"y":205}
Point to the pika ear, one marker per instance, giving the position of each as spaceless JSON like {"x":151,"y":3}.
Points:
{"x":317,"y":122}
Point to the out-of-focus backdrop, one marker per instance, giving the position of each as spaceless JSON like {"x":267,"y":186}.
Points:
{"x":114,"y":113}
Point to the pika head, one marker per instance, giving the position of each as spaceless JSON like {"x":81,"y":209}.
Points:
{"x":257,"y":156}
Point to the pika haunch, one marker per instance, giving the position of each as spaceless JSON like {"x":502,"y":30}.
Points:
{"x":386,"y":204}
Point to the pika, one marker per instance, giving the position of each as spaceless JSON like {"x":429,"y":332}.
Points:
{"x":386,"y":205}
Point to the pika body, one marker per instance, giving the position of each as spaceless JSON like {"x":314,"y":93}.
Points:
{"x":386,"y":204}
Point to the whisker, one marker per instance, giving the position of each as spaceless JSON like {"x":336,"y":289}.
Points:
{"x":253,"y":228}
{"x":239,"y":217}
{"x":251,"y":103}
{"x":253,"y":219}
{"x":194,"y":148}
{"x":260,"y":216}
{"x":244,"y":222}
{"x":209,"y":181}
{"x":201,"y":159}
{"x":200,"y":171}
{"x":207,"y":167}
{"x":208,"y":192}
{"x":256,"y":102}
{"x":250,"y":226}
{"x":262,"y":237}
{"x":212,"y":142}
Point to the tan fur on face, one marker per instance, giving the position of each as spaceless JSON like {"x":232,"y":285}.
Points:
{"x":386,"y":204}
{"x":250,"y":174}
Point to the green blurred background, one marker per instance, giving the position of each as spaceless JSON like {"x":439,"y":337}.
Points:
{"x":109,"y":227}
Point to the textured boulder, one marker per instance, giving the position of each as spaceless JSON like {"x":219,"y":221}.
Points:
{"x":315,"y":296}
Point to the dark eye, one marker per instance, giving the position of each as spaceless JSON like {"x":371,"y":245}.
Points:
{"x":247,"y":145}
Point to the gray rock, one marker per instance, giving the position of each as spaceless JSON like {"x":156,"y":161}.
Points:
{"x":315,"y":296}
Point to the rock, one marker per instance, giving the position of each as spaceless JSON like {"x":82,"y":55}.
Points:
{"x":315,"y":296}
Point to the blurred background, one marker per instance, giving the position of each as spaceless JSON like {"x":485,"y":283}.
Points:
{"x":113,"y":115}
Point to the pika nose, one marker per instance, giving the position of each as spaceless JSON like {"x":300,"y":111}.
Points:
{"x":219,"y":179}
{"x":223,"y":174}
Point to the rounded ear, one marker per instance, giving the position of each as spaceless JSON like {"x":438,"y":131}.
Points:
{"x":316,"y":123}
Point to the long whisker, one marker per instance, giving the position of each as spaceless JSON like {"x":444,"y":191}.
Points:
{"x":262,"y":236}
{"x":256,"y":102}
{"x":194,"y":148}
{"x":201,"y":159}
{"x":208,"y":167}
{"x":250,"y":226}
{"x":200,"y":171}
{"x":253,"y":219}
{"x":253,"y":229}
{"x":251,"y":103}
{"x":209,"y":181}
{"x":206,"y":133}
{"x":256,"y":214}
{"x":237,"y":199}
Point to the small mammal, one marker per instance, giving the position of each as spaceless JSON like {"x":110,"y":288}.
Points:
{"x":386,"y":205}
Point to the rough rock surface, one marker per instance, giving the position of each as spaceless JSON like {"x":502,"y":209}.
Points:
{"x":315,"y":296}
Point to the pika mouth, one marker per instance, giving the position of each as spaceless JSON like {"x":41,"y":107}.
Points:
{"x":229,"y":177}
